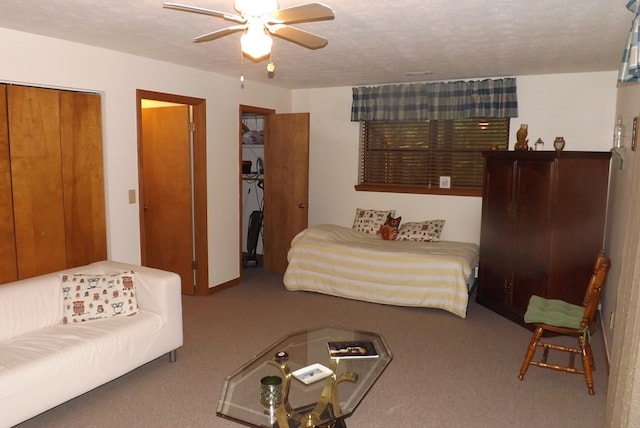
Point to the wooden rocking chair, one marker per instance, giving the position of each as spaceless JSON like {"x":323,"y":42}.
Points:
{"x":563,"y":318}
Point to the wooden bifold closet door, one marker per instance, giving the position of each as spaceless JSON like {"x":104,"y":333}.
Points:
{"x":8,"y":262}
{"x":51,"y":181}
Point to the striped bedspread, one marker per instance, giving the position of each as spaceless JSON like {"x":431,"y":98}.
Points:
{"x":336,"y":260}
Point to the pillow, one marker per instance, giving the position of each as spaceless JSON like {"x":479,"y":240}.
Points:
{"x":389,"y":230}
{"x":421,"y":231}
{"x":369,"y":221}
{"x":88,"y":297}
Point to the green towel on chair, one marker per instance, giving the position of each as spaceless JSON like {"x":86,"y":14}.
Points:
{"x":553,"y":312}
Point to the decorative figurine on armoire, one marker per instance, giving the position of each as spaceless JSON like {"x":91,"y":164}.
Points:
{"x":521,"y":138}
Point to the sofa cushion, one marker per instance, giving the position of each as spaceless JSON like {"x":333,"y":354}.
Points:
{"x":25,"y":305}
{"x":88,"y":297}
{"x":46,"y":367}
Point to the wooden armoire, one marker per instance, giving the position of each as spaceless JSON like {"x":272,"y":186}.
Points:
{"x":543,"y":222}
{"x":52,"y":210}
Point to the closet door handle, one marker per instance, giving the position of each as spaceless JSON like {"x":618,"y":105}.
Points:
{"x":302,"y":206}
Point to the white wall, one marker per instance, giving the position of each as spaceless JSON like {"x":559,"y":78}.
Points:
{"x":580,"y":107}
{"x":40,"y":61}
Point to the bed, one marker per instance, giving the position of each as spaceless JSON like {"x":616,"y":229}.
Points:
{"x":343,"y":262}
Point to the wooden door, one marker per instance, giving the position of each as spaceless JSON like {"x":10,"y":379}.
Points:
{"x":286,"y":185}
{"x":51,"y":180}
{"x":8,"y":261}
{"x":167,"y":197}
{"x":36,"y":169}
{"x":83,"y":177}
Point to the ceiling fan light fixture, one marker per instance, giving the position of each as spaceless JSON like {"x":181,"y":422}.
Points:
{"x":258,"y":20}
{"x":255,"y":7}
{"x":256,"y":42}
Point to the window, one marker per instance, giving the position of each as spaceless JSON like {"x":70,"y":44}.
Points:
{"x":411,"y":157}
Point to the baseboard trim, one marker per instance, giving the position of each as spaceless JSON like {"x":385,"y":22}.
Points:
{"x":607,"y":356}
{"x":224,"y":286}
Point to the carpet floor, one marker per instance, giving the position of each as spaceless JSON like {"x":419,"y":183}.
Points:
{"x":446,"y":371}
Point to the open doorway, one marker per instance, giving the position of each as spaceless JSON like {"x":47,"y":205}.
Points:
{"x":172,"y":186}
{"x":252,"y":156}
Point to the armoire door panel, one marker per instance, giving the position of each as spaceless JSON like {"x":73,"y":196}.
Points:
{"x":8,"y":262}
{"x":36,"y":168}
{"x":495,"y":276}
{"x":83,"y":177}
{"x":533,"y":211}
{"x":525,"y":284}
{"x":497,"y":204}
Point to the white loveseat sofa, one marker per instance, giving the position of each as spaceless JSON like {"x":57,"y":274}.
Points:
{"x":45,"y":362}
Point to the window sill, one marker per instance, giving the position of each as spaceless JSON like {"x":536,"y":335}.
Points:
{"x":418,"y":189}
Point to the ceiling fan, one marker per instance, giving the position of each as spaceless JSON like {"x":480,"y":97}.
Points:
{"x":259,"y":18}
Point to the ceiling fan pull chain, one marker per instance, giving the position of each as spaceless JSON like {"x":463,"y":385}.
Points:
{"x":241,"y":70}
{"x":271,"y":67}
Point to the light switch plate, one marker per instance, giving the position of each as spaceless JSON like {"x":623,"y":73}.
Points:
{"x":132,"y":196}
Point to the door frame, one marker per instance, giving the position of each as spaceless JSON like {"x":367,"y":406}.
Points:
{"x":199,"y":180}
{"x":255,"y":110}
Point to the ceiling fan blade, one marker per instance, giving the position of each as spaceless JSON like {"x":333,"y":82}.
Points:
{"x":295,"y":35}
{"x":303,"y":13}
{"x":219,"y":33}
{"x":204,"y":11}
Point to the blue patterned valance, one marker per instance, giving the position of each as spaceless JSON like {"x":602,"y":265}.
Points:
{"x":436,"y":100}
{"x":630,"y":67}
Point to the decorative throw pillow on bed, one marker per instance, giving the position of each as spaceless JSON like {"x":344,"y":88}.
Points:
{"x":88,"y":297}
{"x":389,"y":230}
{"x":370,"y":221}
{"x":421,"y":231}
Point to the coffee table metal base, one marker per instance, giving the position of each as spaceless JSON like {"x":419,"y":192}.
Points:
{"x":328,"y":406}
{"x":308,"y":410}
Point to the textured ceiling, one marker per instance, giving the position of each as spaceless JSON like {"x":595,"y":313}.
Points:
{"x":370,"y":42}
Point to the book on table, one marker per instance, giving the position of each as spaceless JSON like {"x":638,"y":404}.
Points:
{"x":312,"y":373}
{"x":352,"y":349}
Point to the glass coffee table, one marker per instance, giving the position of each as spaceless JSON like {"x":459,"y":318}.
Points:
{"x":305,"y":384}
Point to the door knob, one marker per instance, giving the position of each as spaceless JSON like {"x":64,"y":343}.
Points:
{"x":302,"y":206}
